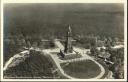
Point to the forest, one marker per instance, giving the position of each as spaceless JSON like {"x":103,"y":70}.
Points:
{"x":52,"y":20}
{"x":25,"y":24}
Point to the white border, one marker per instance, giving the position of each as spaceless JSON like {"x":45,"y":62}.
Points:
{"x":63,"y":1}
{"x":67,"y":1}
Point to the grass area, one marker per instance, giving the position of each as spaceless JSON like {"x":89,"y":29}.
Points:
{"x":82,"y":69}
{"x":35,"y":66}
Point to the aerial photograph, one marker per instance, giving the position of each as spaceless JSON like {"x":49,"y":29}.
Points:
{"x":63,"y":41}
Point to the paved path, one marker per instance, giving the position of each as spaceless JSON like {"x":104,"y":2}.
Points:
{"x":17,"y":58}
{"x":81,"y":51}
{"x":57,"y":61}
{"x":58,"y":44}
{"x":58,"y":64}
{"x":110,"y":75}
{"x":13,"y":60}
{"x":85,"y":57}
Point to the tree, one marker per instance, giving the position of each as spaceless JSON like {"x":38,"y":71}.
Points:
{"x":28,"y":44}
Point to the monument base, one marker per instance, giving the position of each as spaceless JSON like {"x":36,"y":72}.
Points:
{"x":66,"y":56}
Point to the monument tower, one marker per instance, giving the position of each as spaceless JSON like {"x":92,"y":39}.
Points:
{"x":68,"y":42}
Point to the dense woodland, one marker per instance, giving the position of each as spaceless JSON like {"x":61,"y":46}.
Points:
{"x":117,"y":56}
{"x":52,"y":20}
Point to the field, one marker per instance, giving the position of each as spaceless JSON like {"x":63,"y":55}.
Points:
{"x":82,"y":69}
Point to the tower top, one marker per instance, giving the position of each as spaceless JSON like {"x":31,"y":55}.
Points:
{"x":69,"y":29}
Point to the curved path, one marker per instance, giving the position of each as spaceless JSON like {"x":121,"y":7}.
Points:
{"x":81,"y":51}
{"x":85,"y":57}
{"x":13,"y":62}
{"x":90,"y":58}
{"x":57,"y":61}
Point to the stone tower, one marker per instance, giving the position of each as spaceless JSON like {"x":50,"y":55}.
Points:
{"x":68,"y":42}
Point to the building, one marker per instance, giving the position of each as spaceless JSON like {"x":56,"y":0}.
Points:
{"x":68,"y":42}
{"x":68,"y":48}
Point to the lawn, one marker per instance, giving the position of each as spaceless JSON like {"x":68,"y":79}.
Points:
{"x":35,"y":66}
{"x":82,"y":69}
